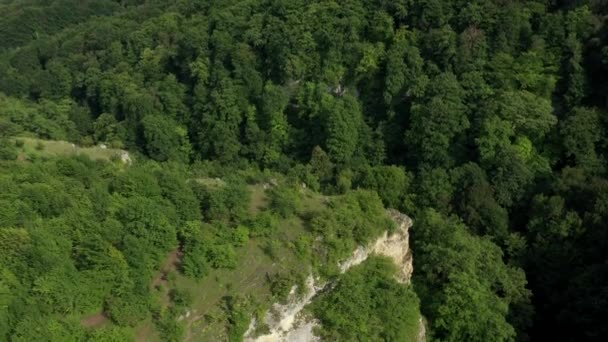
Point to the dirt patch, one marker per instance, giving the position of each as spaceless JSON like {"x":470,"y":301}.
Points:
{"x":259,"y":199}
{"x":95,"y":321}
{"x":170,"y":265}
{"x":161,"y":280}
{"x":146,"y":332}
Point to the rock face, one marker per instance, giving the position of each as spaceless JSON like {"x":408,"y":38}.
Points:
{"x":421,"y":330}
{"x":395,"y":246}
{"x":285,"y":321}
{"x":125,"y":158}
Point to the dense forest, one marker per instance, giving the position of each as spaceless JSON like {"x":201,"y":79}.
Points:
{"x":484,"y":120}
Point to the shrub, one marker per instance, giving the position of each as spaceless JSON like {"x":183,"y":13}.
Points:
{"x":194,"y":264}
{"x":281,"y":284}
{"x":391,"y":182}
{"x":238,"y":312}
{"x":87,"y":141}
{"x":284,"y":201}
{"x":264,"y":224}
{"x":181,"y":298}
{"x":229,"y":202}
{"x":302,"y":246}
{"x":222,"y":256}
{"x":271,"y":248}
{"x":128,"y":310}
{"x":240,"y":236}
{"x":170,"y":329}
{"x":303,"y":174}
{"x":344,"y":182}
{"x":7,"y":152}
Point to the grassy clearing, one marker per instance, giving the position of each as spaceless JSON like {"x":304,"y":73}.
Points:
{"x":207,"y":320}
{"x":249,"y":278}
{"x":259,"y":198}
{"x":313,"y":202}
{"x":214,"y":183}
{"x":33,"y":147}
{"x":146,"y":332}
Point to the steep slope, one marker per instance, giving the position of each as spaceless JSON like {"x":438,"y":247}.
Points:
{"x":289,"y":322}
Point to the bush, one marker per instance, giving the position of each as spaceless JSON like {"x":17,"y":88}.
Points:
{"x":344,"y":182}
{"x":281,"y":284}
{"x":111,"y":334}
{"x":271,"y":248}
{"x":87,"y":141}
{"x":19,"y":143}
{"x":284,"y":201}
{"x":40,"y":146}
{"x":229,"y":202}
{"x":302,"y":247}
{"x":264,"y":224}
{"x":238,"y":312}
{"x":303,"y":174}
{"x":240,"y":236}
{"x":391,"y":182}
{"x":7,"y":151}
{"x":128,"y":310}
{"x":170,"y":329}
{"x":181,"y":298}
{"x":194,"y":264}
{"x":222,"y":256}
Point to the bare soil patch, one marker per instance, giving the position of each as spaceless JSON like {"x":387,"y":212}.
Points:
{"x":95,"y":321}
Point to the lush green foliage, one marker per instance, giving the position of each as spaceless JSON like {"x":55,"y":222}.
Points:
{"x":464,"y":281}
{"x":368,"y":304}
{"x":349,"y":221}
{"x":484,"y":120}
{"x":74,"y":242}
{"x":284,"y":201}
{"x":238,"y":317}
{"x":80,"y":237}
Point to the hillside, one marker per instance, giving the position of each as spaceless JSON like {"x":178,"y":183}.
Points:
{"x":31,"y":148}
{"x":293,"y":321}
{"x":171,"y":169}
{"x":149,"y":266}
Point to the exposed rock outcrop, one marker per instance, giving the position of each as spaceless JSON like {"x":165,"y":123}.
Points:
{"x":285,"y":321}
{"x":395,"y":246}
